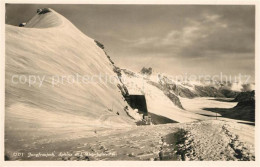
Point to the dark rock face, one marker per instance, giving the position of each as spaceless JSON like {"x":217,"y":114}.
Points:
{"x":99,"y":44}
{"x":228,"y":93}
{"x":244,"y":110}
{"x":208,"y":91}
{"x":39,"y":10}
{"x":117,"y":70}
{"x":184,"y":92}
{"x":123,"y":90}
{"x":174,"y":99}
{"x":245,"y":96}
{"x":43,"y":11}
{"x":146,"y":71}
{"x":168,"y":93}
{"x":177,"y":89}
{"x":129,"y":73}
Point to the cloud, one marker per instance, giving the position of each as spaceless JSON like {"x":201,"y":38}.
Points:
{"x":207,"y":36}
{"x":192,"y":37}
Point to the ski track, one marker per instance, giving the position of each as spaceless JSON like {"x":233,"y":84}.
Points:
{"x":213,"y":141}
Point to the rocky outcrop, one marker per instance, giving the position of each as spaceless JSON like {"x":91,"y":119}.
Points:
{"x":187,"y":90}
{"x":168,"y":93}
{"x":245,"y":96}
{"x":228,"y":93}
{"x":178,"y":90}
{"x":244,"y":110}
{"x":208,"y":91}
{"x":43,"y":11}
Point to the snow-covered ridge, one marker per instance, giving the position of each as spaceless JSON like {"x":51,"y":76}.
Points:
{"x":47,"y":20}
{"x":50,"y":20}
{"x":50,"y":45}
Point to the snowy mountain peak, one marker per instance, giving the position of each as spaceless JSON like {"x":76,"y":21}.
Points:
{"x":47,"y":18}
{"x":66,"y":65}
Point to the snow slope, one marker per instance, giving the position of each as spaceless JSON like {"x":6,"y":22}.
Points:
{"x":50,"y":45}
{"x":157,"y":102}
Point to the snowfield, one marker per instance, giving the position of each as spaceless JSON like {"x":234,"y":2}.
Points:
{"x":211,"y":140}
{"x":49,"y":45}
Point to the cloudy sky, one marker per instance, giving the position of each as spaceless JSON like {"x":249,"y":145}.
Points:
{"x":176,"y":39}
